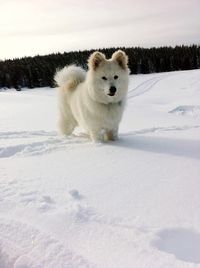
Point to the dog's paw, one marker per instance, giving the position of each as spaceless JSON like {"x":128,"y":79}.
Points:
{"x":98,"y":142}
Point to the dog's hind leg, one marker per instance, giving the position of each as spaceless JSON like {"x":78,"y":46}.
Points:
{"x":66,"y":122}
{"x":65,"y":127}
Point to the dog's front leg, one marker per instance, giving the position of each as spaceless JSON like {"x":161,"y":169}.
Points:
{"x":112,"y":135}
{"x":97,"y":135}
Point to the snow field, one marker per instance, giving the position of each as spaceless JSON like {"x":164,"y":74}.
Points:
{"x":65,"y":202}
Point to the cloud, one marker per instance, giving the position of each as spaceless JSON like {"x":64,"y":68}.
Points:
{"x":30,"y":27}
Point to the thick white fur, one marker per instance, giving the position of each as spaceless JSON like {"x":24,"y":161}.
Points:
{"x":84,"y":98}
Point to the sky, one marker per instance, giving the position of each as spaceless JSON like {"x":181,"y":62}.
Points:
{"x":39,"y":27}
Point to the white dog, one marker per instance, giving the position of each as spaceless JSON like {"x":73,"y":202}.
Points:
{"x":94,"y":100}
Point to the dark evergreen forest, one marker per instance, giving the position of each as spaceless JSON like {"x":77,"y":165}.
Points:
{"x":39,"y":71}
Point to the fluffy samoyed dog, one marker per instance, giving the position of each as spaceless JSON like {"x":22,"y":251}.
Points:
{"x":93,"y":100}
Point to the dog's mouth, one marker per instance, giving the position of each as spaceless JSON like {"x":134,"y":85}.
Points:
{"x":111,"y":94}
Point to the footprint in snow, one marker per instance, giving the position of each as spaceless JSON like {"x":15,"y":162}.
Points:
{"x":191,"y":110}
{"x":28,"y":197}
{"x":77,"y":208}
{"x":184,"y":244}
{"x":42,"y":202}
{"x":75,"y":194}
{"x":46,"y":203}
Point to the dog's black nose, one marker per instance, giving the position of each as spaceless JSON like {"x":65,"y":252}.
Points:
{"x":113,"y":90}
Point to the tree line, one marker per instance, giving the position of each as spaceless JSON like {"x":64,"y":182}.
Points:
{"x":39,"y":71}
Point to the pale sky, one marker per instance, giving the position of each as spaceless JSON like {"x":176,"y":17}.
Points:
{"x":31,"y":27}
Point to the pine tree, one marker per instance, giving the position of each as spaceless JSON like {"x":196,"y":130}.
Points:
{"x":39,"y":71}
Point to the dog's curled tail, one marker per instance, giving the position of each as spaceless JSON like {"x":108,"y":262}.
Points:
{"x":69,"y":77}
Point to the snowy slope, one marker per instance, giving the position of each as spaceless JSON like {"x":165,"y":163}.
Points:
{"x":134,"y":203}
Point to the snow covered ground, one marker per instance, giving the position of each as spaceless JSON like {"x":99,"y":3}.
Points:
{"x":134,"y":203}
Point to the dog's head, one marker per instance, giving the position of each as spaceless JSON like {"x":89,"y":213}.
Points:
{"x":108,"y":79}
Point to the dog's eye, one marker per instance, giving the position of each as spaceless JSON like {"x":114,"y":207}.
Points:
{"x":104,"y":78}
{"x":116,"y":76}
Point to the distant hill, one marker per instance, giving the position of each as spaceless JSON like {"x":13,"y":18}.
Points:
{"x":38,"y":71}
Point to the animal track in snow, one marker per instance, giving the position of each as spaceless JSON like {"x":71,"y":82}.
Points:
{"x":50,"y":142}
{"x":160,"y":129}
{"x":144,"y":86}
{"x":28,"y":197}
{"x":46,"y":203}
{"x":77,"y":208}
{"x":25,"y":134}
{"x":183,"y":243}
{"x":43,"y":203}
{"x":191,"y":110}
{"x":75,"y":194}
{"x":16,"y":194}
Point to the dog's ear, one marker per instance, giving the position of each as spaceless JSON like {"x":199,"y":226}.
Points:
{"x":95,"y":60}
{"x":121,"y":58}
